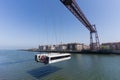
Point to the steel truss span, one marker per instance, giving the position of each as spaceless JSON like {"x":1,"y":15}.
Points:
{"x":73,"y":7}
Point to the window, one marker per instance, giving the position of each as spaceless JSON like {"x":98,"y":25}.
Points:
{"x":59,"y":57}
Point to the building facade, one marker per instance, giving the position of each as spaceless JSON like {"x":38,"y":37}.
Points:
{"x":63,"y":47}
{"x":111,"y":46}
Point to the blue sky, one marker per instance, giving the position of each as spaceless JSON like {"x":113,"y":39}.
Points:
{"x":29,"y":23}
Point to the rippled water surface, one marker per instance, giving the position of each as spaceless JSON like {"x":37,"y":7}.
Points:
{"x":20,"y":65}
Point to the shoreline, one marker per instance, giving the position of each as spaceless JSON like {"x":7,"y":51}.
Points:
{"x":99,"y":52}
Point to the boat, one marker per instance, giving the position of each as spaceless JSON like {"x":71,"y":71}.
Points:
{"x":52,"y":57}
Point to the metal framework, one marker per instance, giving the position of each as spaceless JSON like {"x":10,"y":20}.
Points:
{"x":77,"y":12}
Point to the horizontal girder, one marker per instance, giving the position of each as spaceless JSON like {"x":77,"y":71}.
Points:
{"x":77,"y":12}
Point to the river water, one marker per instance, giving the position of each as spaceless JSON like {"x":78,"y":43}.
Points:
{"x":20,"y":65}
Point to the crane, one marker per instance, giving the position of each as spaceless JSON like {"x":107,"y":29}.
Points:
{"x":73,"y":7}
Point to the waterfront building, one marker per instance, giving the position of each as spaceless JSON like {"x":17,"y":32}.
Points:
{"x":40,"y":47}
{"x":86,"y":47}
{"x":71,"y":46}
{"x":76,"y":46}
{"x":52,"y":47}
{"x":47,"y":47}
{"x":111,"y":46}
{"x":63,"y":47}
{"x":44,"y":47}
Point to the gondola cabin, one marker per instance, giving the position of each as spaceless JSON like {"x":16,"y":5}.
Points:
{"x":52,"y":57}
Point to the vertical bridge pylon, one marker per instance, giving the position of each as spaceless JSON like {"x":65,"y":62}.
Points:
{"x":77,"y":12}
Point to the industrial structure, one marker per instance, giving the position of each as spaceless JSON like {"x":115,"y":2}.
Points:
{"x":77,"y":12}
